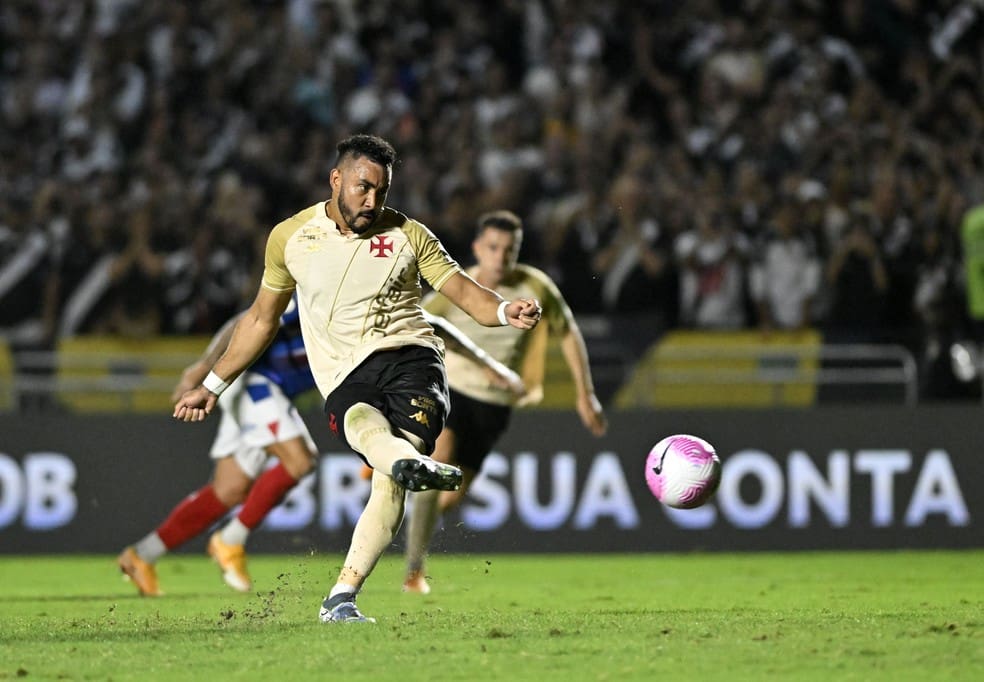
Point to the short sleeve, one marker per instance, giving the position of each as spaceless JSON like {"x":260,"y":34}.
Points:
{"x":276,"y":276}
{"x":556,"y":313}
{"x":434,"y":262}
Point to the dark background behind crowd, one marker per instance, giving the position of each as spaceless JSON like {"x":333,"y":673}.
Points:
{"x":703,"y":164}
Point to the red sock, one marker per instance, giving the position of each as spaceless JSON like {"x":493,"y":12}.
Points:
{"x":268,"y":491}
{"x":194,"y":514}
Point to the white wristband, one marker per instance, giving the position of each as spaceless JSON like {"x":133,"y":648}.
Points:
{"x":215,"y":384}
{"x":501,"y":313}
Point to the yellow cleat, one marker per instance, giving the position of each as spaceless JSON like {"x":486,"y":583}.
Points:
{"x":232,"y":560}
{"x":139,"y":572}
{"x":417,"y":583}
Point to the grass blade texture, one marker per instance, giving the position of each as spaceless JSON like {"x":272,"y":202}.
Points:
{"x":800,"y":616}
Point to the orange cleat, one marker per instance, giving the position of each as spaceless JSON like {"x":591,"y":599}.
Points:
{"x":232,"y":560}
{"x":139,"y":572}
{"x":366,"y":472}
{"x":416,"y":582}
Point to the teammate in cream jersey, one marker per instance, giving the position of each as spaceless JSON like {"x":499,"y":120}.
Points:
{"x":480,"y":408}
{"x":356,"y":267}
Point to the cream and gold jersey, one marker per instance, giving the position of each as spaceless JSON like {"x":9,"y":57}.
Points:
{"x":357,"y":294}
{"x":523,"y":352}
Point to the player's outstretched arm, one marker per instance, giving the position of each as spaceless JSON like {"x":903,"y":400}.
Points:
{"x":251,"y":335}
{"x":487,"y":307}
{"x":588,"y":406}
{"x":196,"y":372}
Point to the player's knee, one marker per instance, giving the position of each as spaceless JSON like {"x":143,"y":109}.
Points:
{"x":362,"y":422}
{"x":298,"y":467}
{"x":231,"y":493}
{"x":361,"y":413}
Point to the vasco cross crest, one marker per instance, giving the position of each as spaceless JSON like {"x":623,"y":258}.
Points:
{"x":381,"y":246}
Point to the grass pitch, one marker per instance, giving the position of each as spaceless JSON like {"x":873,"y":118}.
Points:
{"x":803,"y":616}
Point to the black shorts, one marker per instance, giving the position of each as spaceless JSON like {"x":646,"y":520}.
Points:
{"x":477,"y":426}
{"x":408,"y":385}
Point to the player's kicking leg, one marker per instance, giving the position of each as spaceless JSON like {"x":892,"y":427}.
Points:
{"x":410,"y":386}
{"x":370,"y":434}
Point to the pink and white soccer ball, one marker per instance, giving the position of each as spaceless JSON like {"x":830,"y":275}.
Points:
{"x":683,"y":471}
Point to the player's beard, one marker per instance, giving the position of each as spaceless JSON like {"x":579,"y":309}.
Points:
{"x":350,"y":217}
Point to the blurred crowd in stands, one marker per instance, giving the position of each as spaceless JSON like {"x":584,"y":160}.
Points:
{"x":780,"y":164}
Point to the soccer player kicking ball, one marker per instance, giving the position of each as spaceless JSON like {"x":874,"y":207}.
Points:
{"x":480,"y":409}
{"x":356,"y":267}
{"x":259,"y":421}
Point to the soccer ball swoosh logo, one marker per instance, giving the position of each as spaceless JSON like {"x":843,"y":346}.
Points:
{"x":658,"y":469}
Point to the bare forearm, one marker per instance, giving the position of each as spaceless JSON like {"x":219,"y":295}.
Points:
{"x":195,"y":373}
{"x":589,"y":408}
{"x":249,"y":337}
{"x":217,"y":346}
{"x":576,"y":354}
{"x":483,"y":306}
{"x":481,"y":303}
{"x":488,"y":308}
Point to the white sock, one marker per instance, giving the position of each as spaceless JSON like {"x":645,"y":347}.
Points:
{"x":150,"y":548}
{"x":234,"y":532}
{"x":371,"y":435}
{"x":341,"y":588}
{"x":374,"y":531}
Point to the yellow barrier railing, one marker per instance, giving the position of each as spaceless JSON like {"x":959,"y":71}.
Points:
{"x":749,"y":369}
{"x":684,"y":369}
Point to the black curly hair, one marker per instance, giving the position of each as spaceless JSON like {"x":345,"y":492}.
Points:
{"x":373,"y":147}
